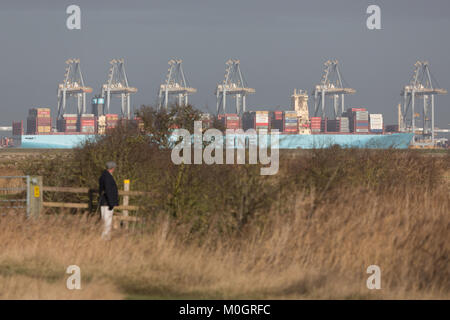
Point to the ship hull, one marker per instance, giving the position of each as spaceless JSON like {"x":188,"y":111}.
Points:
{"x":286,"y":141}
{"x":370,"y":141}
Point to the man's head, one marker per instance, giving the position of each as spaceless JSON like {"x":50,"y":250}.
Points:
{"x":110,"y":166}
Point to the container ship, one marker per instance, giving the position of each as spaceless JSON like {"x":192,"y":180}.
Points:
{"x":355,"y":128}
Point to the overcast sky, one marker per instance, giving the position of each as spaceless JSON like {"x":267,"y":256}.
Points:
{"x":281,"y":44}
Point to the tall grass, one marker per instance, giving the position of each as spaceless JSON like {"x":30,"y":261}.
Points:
{"x":291,"y":255}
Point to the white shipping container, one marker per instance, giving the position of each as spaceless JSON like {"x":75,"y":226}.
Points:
{"x":261,"y":119}
{"x":376,"y":122}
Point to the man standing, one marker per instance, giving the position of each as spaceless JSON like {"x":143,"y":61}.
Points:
{"x":109,"y":197}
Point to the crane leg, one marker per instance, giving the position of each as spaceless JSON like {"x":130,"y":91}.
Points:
{"x":224,"y":101}
{"x":323,"y":104}
{"x":413,"y":122}
{"x":217,"y":102}
{"x":432,"y":119}
{"x":128,"y":107}
{"x":166,"y":97}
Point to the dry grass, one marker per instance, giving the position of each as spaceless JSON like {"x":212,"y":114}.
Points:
{"x":292,"y":257}
{"x":27,"y":288}
{"x":308,"y":245}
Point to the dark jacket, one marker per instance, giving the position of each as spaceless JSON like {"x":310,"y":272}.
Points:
{"x":109,"y":196}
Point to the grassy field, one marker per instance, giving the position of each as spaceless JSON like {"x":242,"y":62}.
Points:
{"x":309,"y":245}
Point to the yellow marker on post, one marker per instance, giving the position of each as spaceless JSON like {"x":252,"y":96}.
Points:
{"x":37,"y":192}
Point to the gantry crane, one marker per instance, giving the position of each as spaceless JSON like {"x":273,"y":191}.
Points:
{"x":420,"y":86}
{"x":330,"y":85}
{"x":175,"y":85}
{"x":72,"y":86}
{"x":233,"y":84}
{"x":118,"y":85}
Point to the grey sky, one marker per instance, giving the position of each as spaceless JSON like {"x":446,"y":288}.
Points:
{"x":281,"y":44}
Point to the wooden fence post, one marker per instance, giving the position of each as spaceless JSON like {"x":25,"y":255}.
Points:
{"x":126,"y":199}
{"x":35,"y":196}
{"x":91,"y":201}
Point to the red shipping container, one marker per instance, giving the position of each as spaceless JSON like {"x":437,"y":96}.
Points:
{"x":356,"y":109}
{"x":278,"y":115}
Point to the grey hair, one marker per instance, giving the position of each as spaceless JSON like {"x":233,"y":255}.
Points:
{"x":110,"y":165}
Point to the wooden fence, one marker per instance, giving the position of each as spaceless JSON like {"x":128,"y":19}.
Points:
{"x":38,"y":189}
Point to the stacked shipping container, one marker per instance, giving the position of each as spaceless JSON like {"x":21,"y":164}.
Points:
{"x":323,"y":125}
{"x":39,"y":121}
{"x":356,"y":120}
{"x":333,"y":125}
{"x":68,"y":123}
{"x":17,"y":128}
{"x":232,"y":121}
{"x":315,"y":124}
{"x":207,"y":120}
{"x":376,"y":123}
{"x":262,"y":121}
{"x":344,"y":124}
{"x":248,"y":120}
{"x":339,"y":125}
{"x":86,"y":123}
{"x":277,"y":121}
{"x":290,"y":122}
{"x":359,"y":120}
{"x":111,"y":120}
